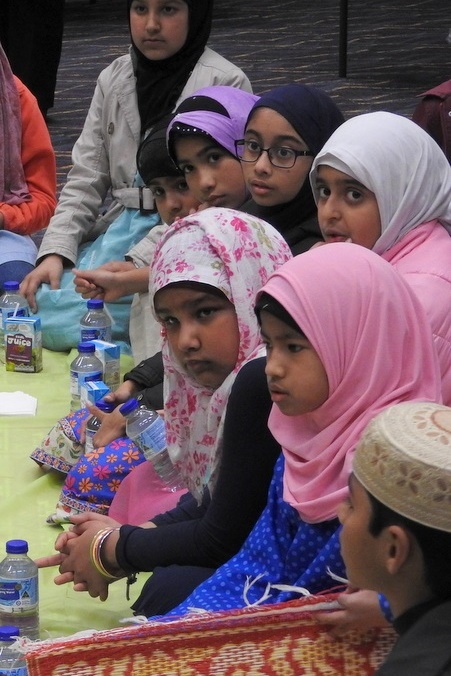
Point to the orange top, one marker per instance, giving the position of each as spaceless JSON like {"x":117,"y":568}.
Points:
{"x":38,"y":159}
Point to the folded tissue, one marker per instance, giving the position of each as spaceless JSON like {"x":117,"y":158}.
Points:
{"x":17,"y":403}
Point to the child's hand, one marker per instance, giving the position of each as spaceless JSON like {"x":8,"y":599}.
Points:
{"x":49,"y":561}
{"x":78,"y":522}
{"x":113,"y":424}
{"x":360,"y":612}
{"x":123,"y":393}
{"x":112,"y":427}
{"x":103,"y":282}
{"x":49,"y":271}
{"x":95,"y":283}
{"x":111,"y":281}
{"x":76,"y":563}
{"x":87,"y":289}
{"x":93,"y":410}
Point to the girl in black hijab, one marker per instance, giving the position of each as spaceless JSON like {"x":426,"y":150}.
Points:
{"x":285,"y":129}
{"x":160,"y":82}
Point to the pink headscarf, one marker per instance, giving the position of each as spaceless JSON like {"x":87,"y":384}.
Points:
{"x":375,"y":343}
{"x":13,"y":187}
{"x":236,"y":253}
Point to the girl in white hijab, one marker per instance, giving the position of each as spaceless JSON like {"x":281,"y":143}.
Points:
{"x":381,"y":181}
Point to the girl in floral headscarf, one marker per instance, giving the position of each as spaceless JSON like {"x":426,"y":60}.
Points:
{"x":204,"y":278}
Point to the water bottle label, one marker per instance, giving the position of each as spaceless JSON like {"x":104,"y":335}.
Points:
{"x":153,"y":439}
{"x":88,"y":334}
{"x":18,"y":596}
{"x":15,"y":671}
{"x":78,"y":378}
{"x":97,"y":333}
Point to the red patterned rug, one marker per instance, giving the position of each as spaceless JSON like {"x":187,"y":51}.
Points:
{"x":274,"y":640}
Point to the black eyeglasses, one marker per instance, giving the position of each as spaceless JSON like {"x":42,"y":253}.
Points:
{"x":279,"y":156}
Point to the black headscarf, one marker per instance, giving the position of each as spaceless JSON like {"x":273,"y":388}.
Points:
{"x":160,"y":83}
{"x":152,"y":158}
{"x":269,"y":304}
{"x":314,"y":116}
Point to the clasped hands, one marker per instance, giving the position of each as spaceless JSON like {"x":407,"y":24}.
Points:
{"x":74,"y":558}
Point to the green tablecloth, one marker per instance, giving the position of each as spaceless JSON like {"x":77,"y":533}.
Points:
{"x":27,"y":496}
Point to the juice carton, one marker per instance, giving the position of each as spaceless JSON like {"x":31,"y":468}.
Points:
{"x":91,"y":391}
{"x":109,"y":354}
{"x":23,"y":344}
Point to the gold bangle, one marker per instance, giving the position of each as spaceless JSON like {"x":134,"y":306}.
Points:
{"x":95,"y":553}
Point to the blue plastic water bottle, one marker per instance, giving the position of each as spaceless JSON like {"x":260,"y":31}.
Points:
{"x":12,"y":662}
{"x":146,"y":428}
{"x":95,"y":323}
{"x":19,"y":590}
{"x":86,"y":367}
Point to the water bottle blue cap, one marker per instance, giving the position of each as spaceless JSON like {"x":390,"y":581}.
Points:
{"x":16,"y":547}
{"x":9,"y":633}
{"x":11,"y":286}
{"x":86,"y":346}
{"x":95,"y":304}
{"x":106,"y":406}
{"x":129,"y":406}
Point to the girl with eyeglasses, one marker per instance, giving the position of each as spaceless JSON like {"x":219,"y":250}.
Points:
{"x":286,"y":128}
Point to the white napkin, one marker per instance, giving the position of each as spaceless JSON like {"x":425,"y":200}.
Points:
{"x":17,"y":403}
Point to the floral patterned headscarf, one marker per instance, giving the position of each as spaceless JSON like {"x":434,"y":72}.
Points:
{"x":235,"y":253}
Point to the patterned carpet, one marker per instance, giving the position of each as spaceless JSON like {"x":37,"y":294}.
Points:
{"x":396,"y":50}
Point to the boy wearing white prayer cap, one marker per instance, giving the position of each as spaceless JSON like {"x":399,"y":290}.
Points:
{"x":396,"y":531}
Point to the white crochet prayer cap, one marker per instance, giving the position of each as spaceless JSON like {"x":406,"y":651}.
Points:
{"x":404,"y":460}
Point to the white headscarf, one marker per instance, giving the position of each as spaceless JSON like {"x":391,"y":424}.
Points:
{"x":235,"y":253}
{"x":400,"y":163}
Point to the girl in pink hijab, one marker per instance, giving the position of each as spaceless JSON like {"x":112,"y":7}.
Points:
{"x":345,"y":337}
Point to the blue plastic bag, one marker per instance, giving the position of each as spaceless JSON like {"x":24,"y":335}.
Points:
{"x":61,"y":309}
